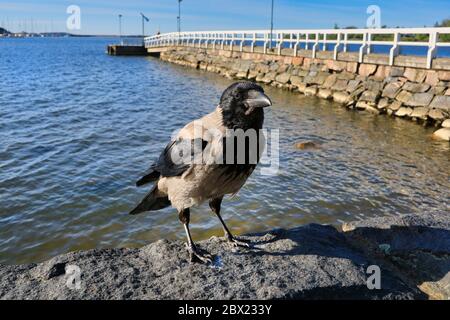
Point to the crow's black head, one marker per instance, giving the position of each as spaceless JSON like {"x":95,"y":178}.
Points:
{"x":242,"y":105}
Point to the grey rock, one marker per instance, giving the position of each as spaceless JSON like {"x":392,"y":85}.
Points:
{"x":308,"y":262}
{"x":310,"y":91}
{"x":420,"y":100}
{"x":397,"y":71}
{"x":418,"y":245}
{"x":394,"y":106}
{"x":353,"y":85}
{"x":374,"y":85}
{"x":416,"y":87}
{"x":340,"y":85}
{"x":436,"y":114}
{"x":283,"y":78}
{"x":404,"y":112}
{"x":330,"y":81}
{"x":441,"y":102}
{"x":383,"y":103}
{"x":370,"y":96}
{"x":392,"y":89}
{"x":342,"y":98}
{"x":296,"y":80}
{"x":325,"y":94}
{"x":420,"y":113}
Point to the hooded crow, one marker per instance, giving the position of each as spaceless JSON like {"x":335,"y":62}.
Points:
{"x":209,"y":158}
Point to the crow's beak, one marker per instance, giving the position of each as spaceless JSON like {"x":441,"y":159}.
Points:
{"x":257,"y":99}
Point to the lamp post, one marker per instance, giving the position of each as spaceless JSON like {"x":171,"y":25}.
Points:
{"x":144,"y":19}
{"x":271,"y":26}
{"x":120,"y":28}
{"x":179,"y":20}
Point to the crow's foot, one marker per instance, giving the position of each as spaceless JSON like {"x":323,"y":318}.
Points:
{"x":237,"y":243}
{"x":197,"y":256}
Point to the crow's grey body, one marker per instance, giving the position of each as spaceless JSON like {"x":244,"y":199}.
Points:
{"x":207,"y":176}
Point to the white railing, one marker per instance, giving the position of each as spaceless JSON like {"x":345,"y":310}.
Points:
{"x":313,"y":40}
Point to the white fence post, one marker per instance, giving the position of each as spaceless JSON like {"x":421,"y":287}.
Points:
{"x":395,"y":49}
{"x":432,"y":49}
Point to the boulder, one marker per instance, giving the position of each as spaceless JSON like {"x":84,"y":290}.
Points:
{"x":441,"y":102}
{"x":432,"y":78}
{"x":420,"y":100}
{"x":296,"y":80}
{"x":301,"y":87}
{"x":394,"y":106}
{"x":416,"y":87}
{"x":436,"y":115}
{"x":340,"y":85}
{"x":420,"y":113}
{"x":307,"y":145}
{"x":392,"y":89}
{"x":336,"y":65}
{"x":353,"y":85}
{"x":370,"y":96}
{"x":404,"y":111}
{"x":383,"y":104}
{"x":269,"y":77}
{"x":446,"y":123}
{"x":415,"y":75}
{"x":404,"y":96}
{"x":361,"y":105}
{"x":444,"y":75}
{"x":330,"y":81}
{"x":325,"y":94}
{"x":307,"y":262}
{"x":342,"y":98}
{"x":241,"y":75}
{"x":366,"y":70}
{"x":283,"y":78}
{"x":346,"y":76}
{"x":383,"y":72}
{"x":438,"y":90}
{"x":352,"y":67}
{"x":442,"y":134}
{"x":311,"y":91}
{"x":397,"y":72}
{"x":419,"y":245}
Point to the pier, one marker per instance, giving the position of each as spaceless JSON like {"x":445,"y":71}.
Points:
{"x":400,"y":72}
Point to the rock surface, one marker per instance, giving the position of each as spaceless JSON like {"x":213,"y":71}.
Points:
{"x":308,"y":262}
{"x":415,"y":247}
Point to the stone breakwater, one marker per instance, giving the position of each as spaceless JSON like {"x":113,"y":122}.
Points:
{"x":308,"y":262}
{"x":418,"y":94}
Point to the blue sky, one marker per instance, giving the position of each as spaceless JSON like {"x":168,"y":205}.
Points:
{"x":100,"y":16}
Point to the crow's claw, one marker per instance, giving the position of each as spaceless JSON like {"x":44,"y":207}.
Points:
{"x":238,"y":243}
{"x":196,"y":256}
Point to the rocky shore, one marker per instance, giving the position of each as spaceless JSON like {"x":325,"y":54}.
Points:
{"x":414,"y":93}
{"x":308,"y":262}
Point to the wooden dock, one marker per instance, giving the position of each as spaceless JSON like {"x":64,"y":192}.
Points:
{"x":127,"y":50}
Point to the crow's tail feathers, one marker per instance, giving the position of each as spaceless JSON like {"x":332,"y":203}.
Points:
{"x":151,"y":202}
{"x":153,"y":175}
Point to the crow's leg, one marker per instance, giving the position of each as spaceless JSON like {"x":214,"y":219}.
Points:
{"x":184,"y":216}
{"x":214,"y":204}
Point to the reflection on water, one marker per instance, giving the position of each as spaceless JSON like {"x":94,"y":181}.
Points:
{"x":79,"y":127}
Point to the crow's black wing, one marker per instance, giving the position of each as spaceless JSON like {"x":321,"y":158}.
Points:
{"x":174,"y":160}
